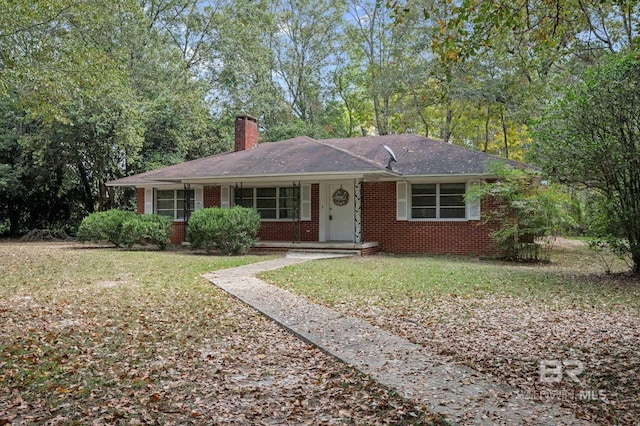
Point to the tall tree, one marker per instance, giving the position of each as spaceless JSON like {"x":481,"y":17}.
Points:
{"x":96,"y":86}
{"x":304,"y":44}
{"x":370,"y":31}
{"x":591,"y":137}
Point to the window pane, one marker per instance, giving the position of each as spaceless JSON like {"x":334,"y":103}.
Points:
{"x":165,"y":194}
{"x":244,"y":193}
{"x":265,"y":203}
{"x":267,"y":213}
{"x":287,"y":214}
{"x":165,"y":213}
{"x":180,"y":194}
{"x":287,"y":192}
{"x":246,"y":202}
{"x":266,"y":192}
{"x":243,"y":197}
{"x":451,"y":200}
{"x":423,"y":200}
{"x":452,"y":188}
{"x":287,"y":203}
{"x":180,"y":205}
{"x":164,"y":205}
{"x":423,"y":189}
{"x":452,"y":213}
{"x":423,"y":213}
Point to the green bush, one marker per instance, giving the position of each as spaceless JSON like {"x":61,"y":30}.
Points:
{"x":148,"y":228}
{"x":125,"y":228}
{"x":527,"y":213}
{"x":104,"y":226}
{"x":231,"y":231}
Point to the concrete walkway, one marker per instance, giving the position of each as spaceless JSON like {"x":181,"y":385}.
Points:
{"x":460,"y":394}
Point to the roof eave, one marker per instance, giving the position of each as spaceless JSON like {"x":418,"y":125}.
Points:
{"x":315,"y":176}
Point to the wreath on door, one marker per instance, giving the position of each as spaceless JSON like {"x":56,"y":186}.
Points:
{"x":340,"y":197}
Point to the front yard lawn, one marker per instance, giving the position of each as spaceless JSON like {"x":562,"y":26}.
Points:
{"x":502,"y":319}
{"x":104,"y":336}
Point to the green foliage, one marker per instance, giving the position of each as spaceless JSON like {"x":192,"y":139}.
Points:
{"x":526,"y":212}
{"x":608,"y":248}
{"x":125,"y":228}
{"x":591,"y":138}
{"x":93,"y":91}
{"x":104,"y":226}
{"x":90,"y":92}
{"x":149,"y":228}
{"x":231,"y":231}
{"x":4,"y":227}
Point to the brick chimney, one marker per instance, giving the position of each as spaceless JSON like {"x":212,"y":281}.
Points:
{"x":246,"y":133}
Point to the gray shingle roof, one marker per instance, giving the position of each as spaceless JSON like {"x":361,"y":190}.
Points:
{"x":417,"y":156}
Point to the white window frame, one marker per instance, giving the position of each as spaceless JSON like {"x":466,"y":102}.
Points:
{"x":254,"y":199}
{"x":175,"y":217}
{"x":410,"y":206}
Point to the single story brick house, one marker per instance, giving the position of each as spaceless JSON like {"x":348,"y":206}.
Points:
{"x":394,"y":194}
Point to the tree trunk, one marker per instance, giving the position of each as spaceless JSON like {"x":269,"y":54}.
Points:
{"x":382,"y":129}
{"x":504,"y":134}
{"x":87,"y":197}
{"x":446,"y":132}
{"x":486,"y":129}
{"x":420,"y":114}
{"x":14,"y":220}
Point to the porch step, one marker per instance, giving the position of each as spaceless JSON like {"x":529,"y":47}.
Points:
{"x":338,"y":248}
{"x":304,"y":253}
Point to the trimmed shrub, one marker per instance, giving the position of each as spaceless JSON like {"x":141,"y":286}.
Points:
{"x":125,"y":228}
{"x":104,"y":226}
{"x":148,"y":228}
{"x":231,"y":231}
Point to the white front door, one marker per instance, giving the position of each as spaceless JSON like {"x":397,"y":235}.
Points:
{"x":340,"y":221}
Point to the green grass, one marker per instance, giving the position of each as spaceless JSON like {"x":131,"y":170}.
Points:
{"x":573,"y":278}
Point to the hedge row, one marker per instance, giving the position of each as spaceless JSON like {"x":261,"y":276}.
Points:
{"x":230,"y":231}
{"x":125,"y":228}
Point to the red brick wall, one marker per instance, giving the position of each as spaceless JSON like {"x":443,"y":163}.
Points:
{"x":284,"y":231}
{"x":246,"y":133}
{"x":211,"y":196}
{"x":178,"y":233}
{"x":379,"y":225}
{"x":140,"y":200}
{"x":437,"y":237}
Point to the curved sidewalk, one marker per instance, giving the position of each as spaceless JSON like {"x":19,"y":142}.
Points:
{"x":461,"y":395}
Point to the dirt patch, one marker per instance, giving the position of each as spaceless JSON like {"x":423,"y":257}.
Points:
{"x":560,"y":242}
{"x":111,"y":284}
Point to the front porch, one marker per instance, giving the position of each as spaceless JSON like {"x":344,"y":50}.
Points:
{"x":337,"y":247}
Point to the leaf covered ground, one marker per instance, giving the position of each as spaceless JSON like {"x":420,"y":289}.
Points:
{"x":503,"y":320}
{"x":102,"y":336}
